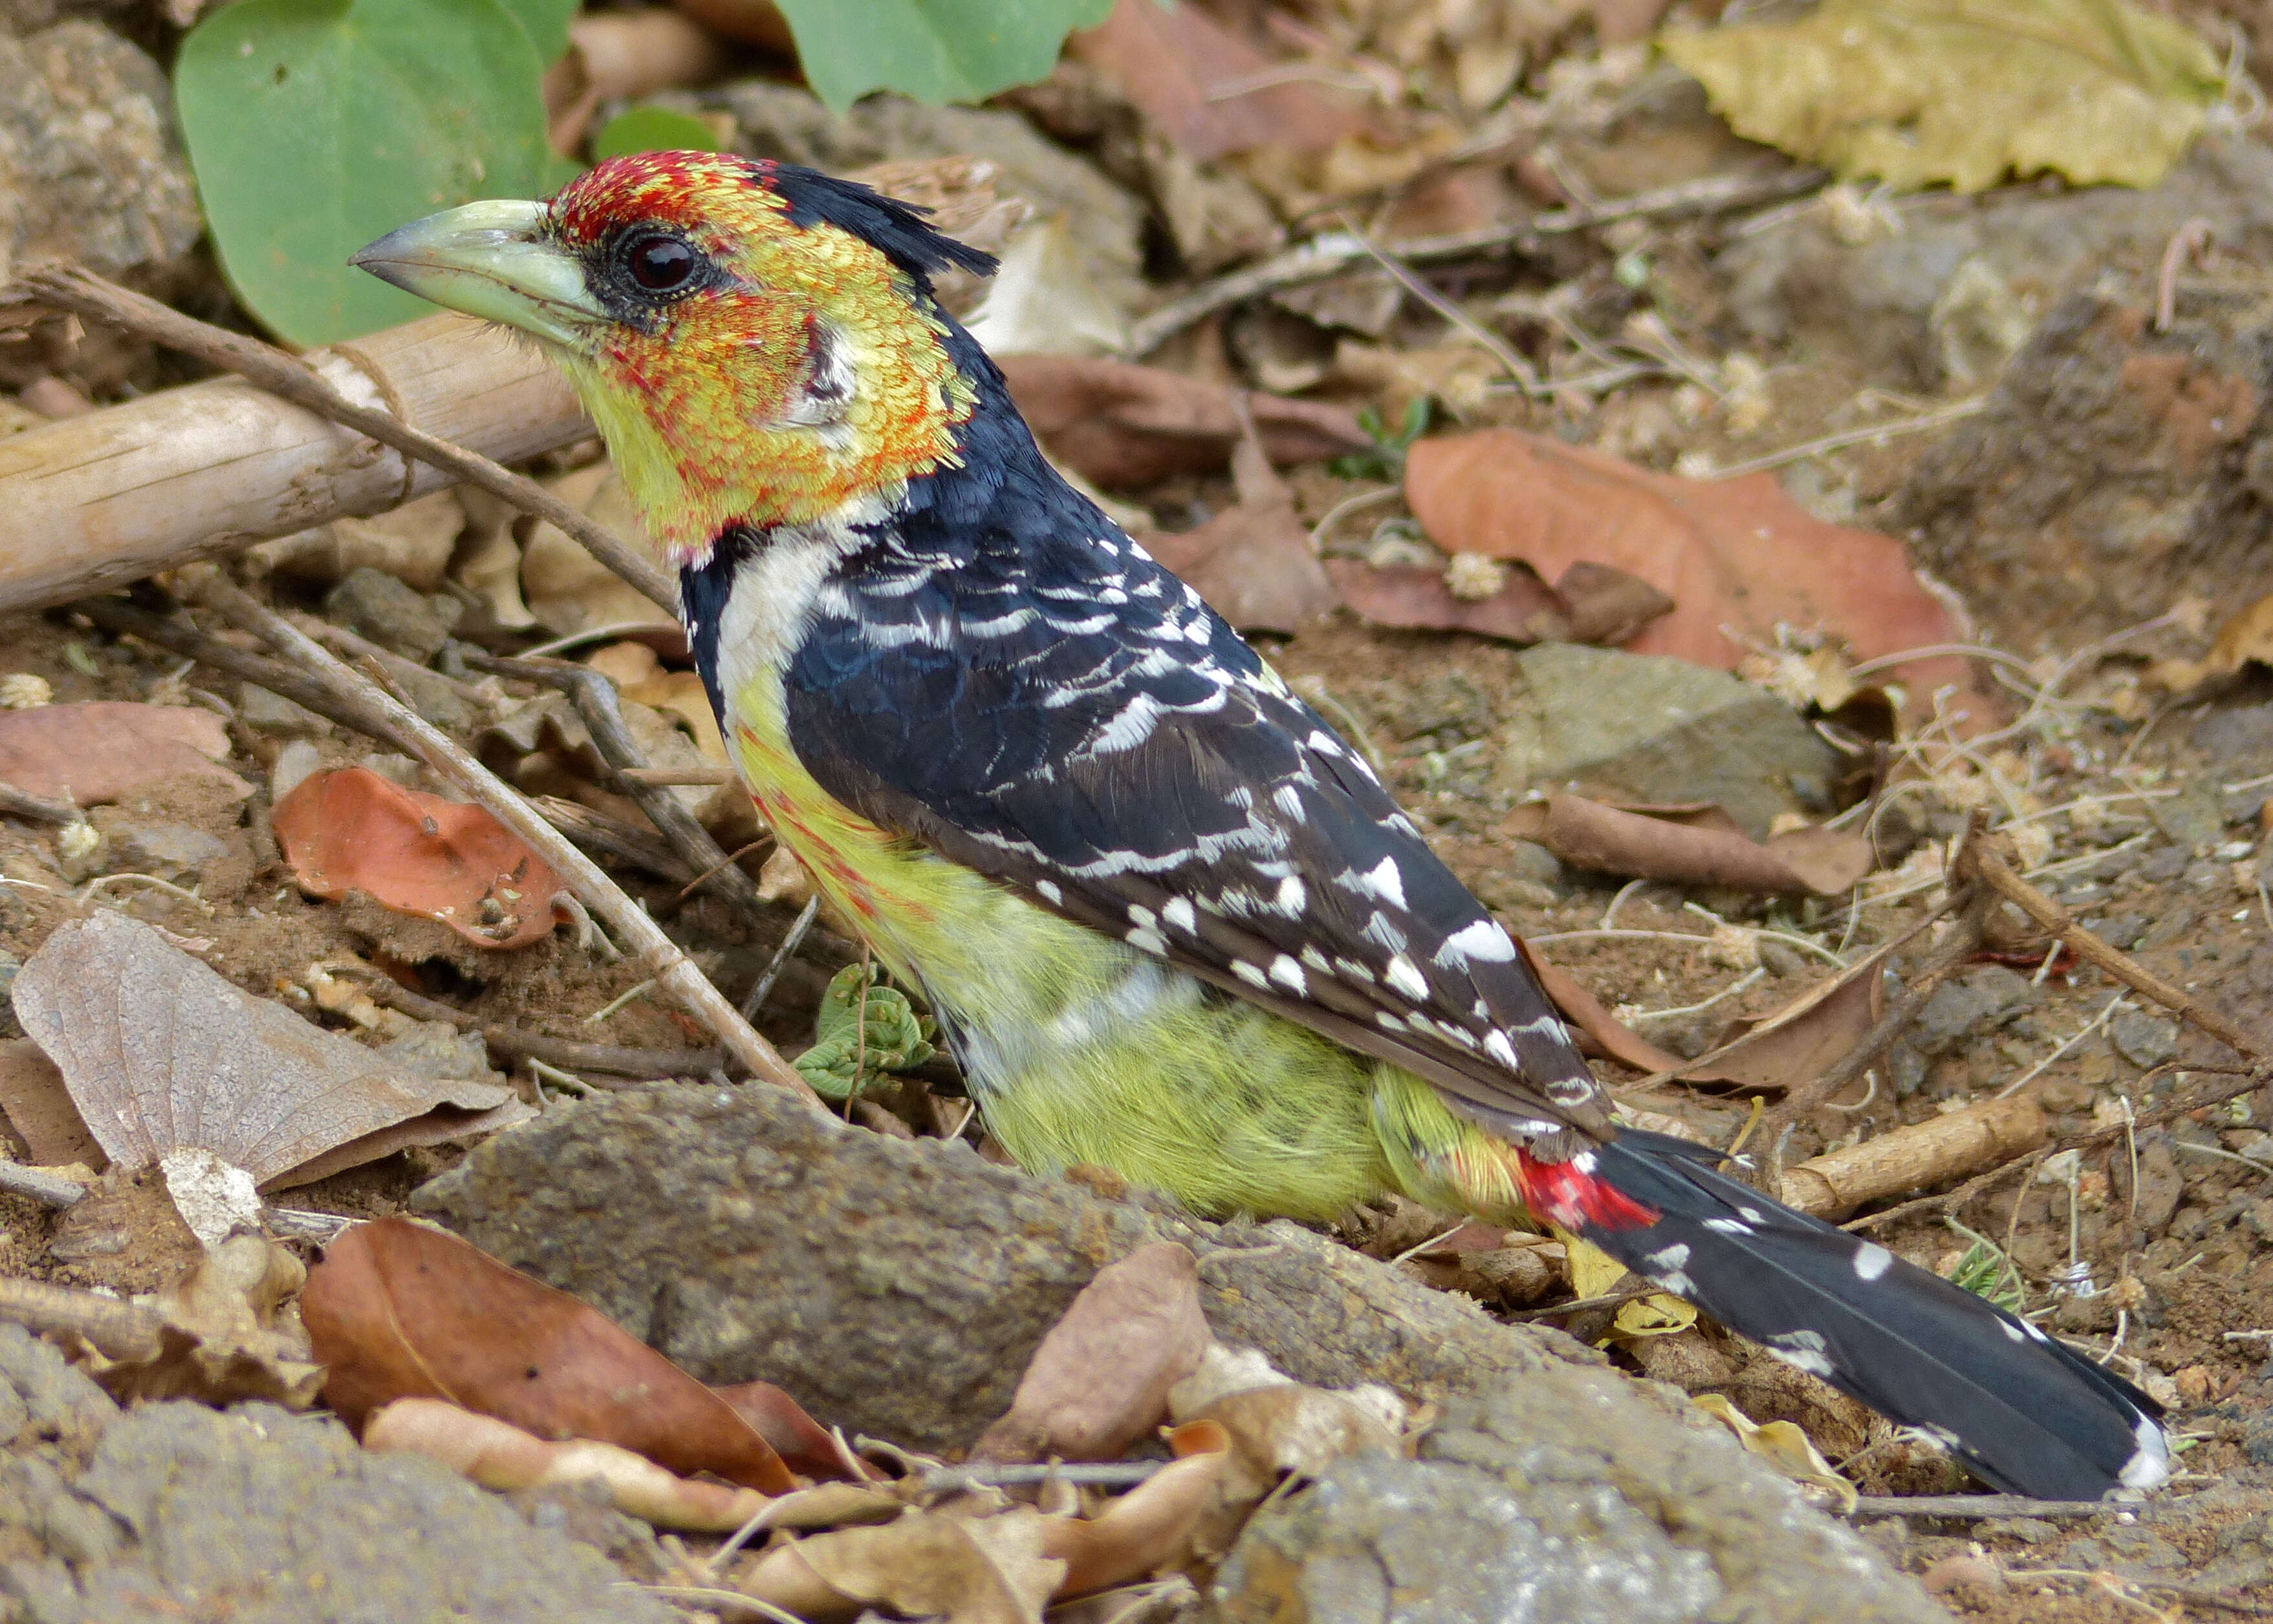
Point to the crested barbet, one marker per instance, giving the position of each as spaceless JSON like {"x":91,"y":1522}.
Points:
{"x":1169,"y":921}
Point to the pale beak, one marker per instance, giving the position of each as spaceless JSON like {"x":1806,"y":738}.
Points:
{"x":489,"y":259}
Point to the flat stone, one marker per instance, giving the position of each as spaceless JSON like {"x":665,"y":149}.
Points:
{"x":293,"y":1523}
{"x":376,"y":605}
{"x":1643,"y":727}
{"x":92,"y":168}
{"x":2142,"y":1039}
{"x":272,"y":715}
{"x":1978,"y":1002}
{"x":898,"y":1287}
{"x":170,"y":850}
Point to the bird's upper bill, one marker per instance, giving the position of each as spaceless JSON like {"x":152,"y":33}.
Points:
{"x":756,"y":341}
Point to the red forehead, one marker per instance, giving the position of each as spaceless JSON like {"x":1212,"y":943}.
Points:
{"x":685,"y":189}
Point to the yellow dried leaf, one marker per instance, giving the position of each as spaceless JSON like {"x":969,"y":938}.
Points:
{"x":1966,"y":92}
{"x":1784,"y":1446}
{"x":1595,"y":1273}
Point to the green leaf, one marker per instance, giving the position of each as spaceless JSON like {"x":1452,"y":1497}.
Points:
{"x":1918,"y":92}
{"x":652,"y":130}
{"x":546,"y":22}
{"x":861,"y":1032}
{"x":317,"y":125}
{"x":933,"y":51}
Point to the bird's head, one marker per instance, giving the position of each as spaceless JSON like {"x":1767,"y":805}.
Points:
{"x":757,"y":342}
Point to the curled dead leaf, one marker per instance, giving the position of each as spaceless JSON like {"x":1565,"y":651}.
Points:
{"x":1789,"y":1450}
{"x":1122,"y":425}
{"x":965,"y":1570}
{"x":351,"y":829}
{"x":1142,"y":1534}
{"x":1101,"y":1378}
{"x":498,"y":1455}
{"x":401,"y":1311}
{"x":1698,"y":845}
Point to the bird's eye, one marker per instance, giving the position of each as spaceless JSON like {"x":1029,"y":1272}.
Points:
{"x":660,"y":264}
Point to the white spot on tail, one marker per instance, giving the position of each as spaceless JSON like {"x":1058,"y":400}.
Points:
{"x":1872,"y":1260}
{"x":1384,"y":881}
{"x":1482,"y":940}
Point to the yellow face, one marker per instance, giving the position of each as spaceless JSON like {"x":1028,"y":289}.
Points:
{"x":747,"y":359}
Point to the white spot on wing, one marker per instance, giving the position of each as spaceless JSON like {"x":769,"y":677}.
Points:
{"x":1482,"y":940}
{"x":1249,"y":974}
{"x":1178,"y":912}
{"x":1405,"y":976}
{"x":1288,"y":974}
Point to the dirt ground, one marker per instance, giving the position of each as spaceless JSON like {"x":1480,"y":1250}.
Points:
{"x":2100,"y":513}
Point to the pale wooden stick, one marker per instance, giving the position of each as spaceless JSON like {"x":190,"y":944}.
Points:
{"x":590,"y":884}
{"x":1908,"y":1158}
{"x":85,"y":294}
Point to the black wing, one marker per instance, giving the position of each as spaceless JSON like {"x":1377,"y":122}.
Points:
{"x":1061,"y":714}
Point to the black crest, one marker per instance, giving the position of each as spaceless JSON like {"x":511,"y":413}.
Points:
{"x":899,"y":230}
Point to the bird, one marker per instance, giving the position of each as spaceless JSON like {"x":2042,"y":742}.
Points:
{"x":1169,"y":921}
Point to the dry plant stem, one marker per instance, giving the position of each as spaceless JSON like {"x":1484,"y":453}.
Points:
{"x":119,"y":1330}
{"x":2250,"y":1078}
{"x":2000,"y":877}
{"x":671,"y":776}
{"x":51,"y":1190}
{"x":626,"y":842}
{"x":513,"y":1044}
{"x":1914,"y":1157}
{"x":344,"y":642}
{"x":596,"y":701}
{"x":1334,"y":252}
{"x":629,"y":922}
{"x":22,"y":803}
{"x":347,"y":708}
{"x":1974,"y":1507}
{"x":85,"y":294}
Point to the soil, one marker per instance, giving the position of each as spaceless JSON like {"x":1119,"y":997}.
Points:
{"x":2085,"y":554}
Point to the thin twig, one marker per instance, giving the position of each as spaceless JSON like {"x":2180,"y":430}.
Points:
{"x":1936,"y":419}
{"x":71,"y":287}
{"x":49,"y":1189}
{"x":763,"y":990}
{"x":1974,"y":1507}
{"x":1333,"y":252}
{"x":1983,"y":859}
{"x":659,"y":956}
{"x":596,"y":701}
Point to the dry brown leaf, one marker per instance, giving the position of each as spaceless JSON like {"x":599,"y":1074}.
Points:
{"x":225,"y":1332}
{"x":1100,"y":1380}
{"x":965,"y":1570}
{"x":1121,"y":426}
{"x":349,"y":830}
{"x":681,"y":695}
{"x":498,"y":1455}
{"x":401,"y":1311}
{"x":160,"y":1054}
{"x":1142,"y":1534}
{"x":1523,"y":610}
{"x":1731,"y":553}
{"x":1253,"y":562}
{"x":98,"y":750}
{"x":1601,"y":1033}
{"x":1691,"y":846}
{"x":1182,"y":68}
{"x":1802,"y":1039}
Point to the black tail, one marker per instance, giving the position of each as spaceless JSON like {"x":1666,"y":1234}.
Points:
{"x":2026,"y":1414}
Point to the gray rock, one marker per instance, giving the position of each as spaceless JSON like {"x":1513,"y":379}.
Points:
{"x":1446,"y":1538}
{"x":378,"y":606}
{"x":440,"y":1050}
{"x":2142,"y":1039}
{"x":1797,"y":281}
{"x":2121,"y":930}
{"x":42,"y":1396}
{"x":272,"y":715}
{"x":898,"y":1287}
{"x":168,"y":850}
{"x":1977,"y":1002}
{"x":1644,"y":727}
{"x":2162,"y":866}
{"x":91,"y":169}
{"x":2133,"y":1553}
{"x":287,"y":1517}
